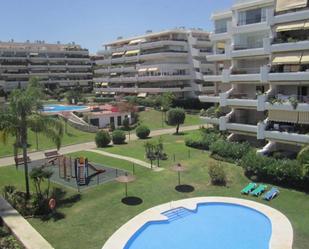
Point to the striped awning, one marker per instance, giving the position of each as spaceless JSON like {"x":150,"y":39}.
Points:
{"x":283,"y":5}
{"x":130,"y":52}
{"x":290,"y":26}
{"x":305,"y":58}
{"x":287,"y":58}
{"x":142,"y":70}
{"x":303,"y":118}
{"x":283,"y":116}
{"x":142,"y":95}
{"x":136,"y":41}
{"x":118,"y":53}
{"x":153,"y":69}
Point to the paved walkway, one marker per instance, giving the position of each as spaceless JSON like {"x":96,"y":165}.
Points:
{"x":21,"y":228}
{"x":130,"y":159}
{"x":5,"y":161}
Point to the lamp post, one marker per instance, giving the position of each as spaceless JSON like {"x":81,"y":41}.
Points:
{"x":129,"y":117}
{"x":162,"y":109}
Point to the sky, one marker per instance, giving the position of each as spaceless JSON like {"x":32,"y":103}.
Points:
{"x":91,"y":23}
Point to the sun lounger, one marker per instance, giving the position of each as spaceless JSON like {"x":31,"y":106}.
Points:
{"x":271,"y":194}
{"x":259,"y":190}
{"x":248,"y":188}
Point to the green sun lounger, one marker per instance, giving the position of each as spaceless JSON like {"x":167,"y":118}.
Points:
{"x":259,"y":190}
{"x":248,"y":188}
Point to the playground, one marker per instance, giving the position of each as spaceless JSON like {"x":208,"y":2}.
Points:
{"x":76,"y":173}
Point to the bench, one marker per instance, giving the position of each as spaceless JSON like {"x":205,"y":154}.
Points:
{"x":51,"y":156}
{"x":20,"y":160}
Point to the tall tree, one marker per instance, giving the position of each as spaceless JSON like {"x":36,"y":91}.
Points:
{"x":176,"y":117}
{"x":23,"y":112}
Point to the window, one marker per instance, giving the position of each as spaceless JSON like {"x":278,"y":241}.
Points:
{"x":118,"y":120}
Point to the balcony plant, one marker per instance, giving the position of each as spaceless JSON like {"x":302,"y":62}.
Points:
{"x":294,"y":102}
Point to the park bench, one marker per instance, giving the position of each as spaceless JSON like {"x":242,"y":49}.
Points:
{"x":51,"y":156}
{"x":20,"y":160}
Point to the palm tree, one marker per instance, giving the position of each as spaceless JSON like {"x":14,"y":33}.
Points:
{"x":24,"y":112}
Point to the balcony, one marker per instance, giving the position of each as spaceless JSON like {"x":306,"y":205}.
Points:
{"x":242,"y":100}
{"x":288,"y":103}
{"x":143,"y":89}
{"x":222,"y":33}
{"x":288,"y":76}
{"x":209,"y":98}
{"x":282,"y":46}
{"x":252,"y":49}
{"x":287,"y":137}
{"x":238,"y":127}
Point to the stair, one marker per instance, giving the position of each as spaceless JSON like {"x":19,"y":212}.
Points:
{"x":177,"y":213}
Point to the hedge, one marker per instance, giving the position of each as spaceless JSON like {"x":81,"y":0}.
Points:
{"x":230,"y":151}
{"x":202,"y":140}
{"x":267,"y":169}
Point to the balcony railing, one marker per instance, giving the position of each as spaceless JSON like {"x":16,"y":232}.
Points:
{"x":220,"y":30}
{"x":252,"y":20}
{"x":258,"y":44}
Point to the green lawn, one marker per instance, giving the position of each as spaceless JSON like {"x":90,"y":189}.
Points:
{"x":73,"y":136}
{"x":153,"y":119}
{"x":89,"y":222}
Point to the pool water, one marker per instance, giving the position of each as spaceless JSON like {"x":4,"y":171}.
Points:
{"x":211,"y":226}
{"x":63,"y":108}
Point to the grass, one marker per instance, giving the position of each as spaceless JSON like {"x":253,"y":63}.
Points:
{"x":89,"y":222}
{"x":73,"y":136}
{"x":153,"y":119}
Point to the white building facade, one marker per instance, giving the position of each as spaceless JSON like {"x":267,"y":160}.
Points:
{"x":261,"y":56}
{"x":154,"y":63}
{"x":55,"y":65}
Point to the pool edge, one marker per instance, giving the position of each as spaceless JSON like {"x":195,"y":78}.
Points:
{"x":282,"y":231}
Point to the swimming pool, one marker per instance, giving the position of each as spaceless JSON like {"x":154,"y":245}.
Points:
{"x":211,"y":225}
{"x":63,"y":108}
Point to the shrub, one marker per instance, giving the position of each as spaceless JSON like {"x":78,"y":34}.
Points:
{"x":118,"y":137}
{"x":268,"y":169}
{"x":217,"y":174}
{"x":202,"y":140}
{"x":176,"y":117}
{"x":142,"y":131}
{"x":126,"y":123}
{"x":102,"y":139}
{"x":229,"y":150}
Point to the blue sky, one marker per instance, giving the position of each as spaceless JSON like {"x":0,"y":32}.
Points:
{"x":94,"y":22}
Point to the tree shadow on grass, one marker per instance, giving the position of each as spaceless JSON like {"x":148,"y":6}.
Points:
{"x":179,"y":134}
{"x":61,"y":202}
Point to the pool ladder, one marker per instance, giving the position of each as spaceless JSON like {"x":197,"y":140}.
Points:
{"x":177,"y":213}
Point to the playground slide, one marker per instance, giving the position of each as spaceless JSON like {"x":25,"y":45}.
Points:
{"x":99,"y":171}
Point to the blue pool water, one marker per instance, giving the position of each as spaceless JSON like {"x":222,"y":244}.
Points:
{"x":63,"y":108}
{"x":212,"y":226}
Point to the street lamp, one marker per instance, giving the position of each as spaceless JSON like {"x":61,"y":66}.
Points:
{"x":162,"y":109}
{"x":129,"y":117}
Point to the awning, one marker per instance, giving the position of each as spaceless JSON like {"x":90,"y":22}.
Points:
{"x":142,"y":95}
{"x":113,"y":74}
{"x":153,"y":69}
{"x":305,"y":58}
{"x":104,"y":93}
{"x":303,"y":118}
{"x":283,"y":116}
{"x":118,"y":53}
{"x":290,"y":26}
{"x":287,"y":58}
{"x":104,"y":84}
{"x":34,"y":54}
{"x":221,"y":45}
{"x":142,"y":70}
{"x":137,"y":41}
{"x":306,"y":26}
{"x":283,"y":5}
{"x":132,"y":52}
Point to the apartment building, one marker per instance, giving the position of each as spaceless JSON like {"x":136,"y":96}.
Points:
{"x":154,"y":63}
{"x":56,"y":65}
{"x":261,"y":56}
